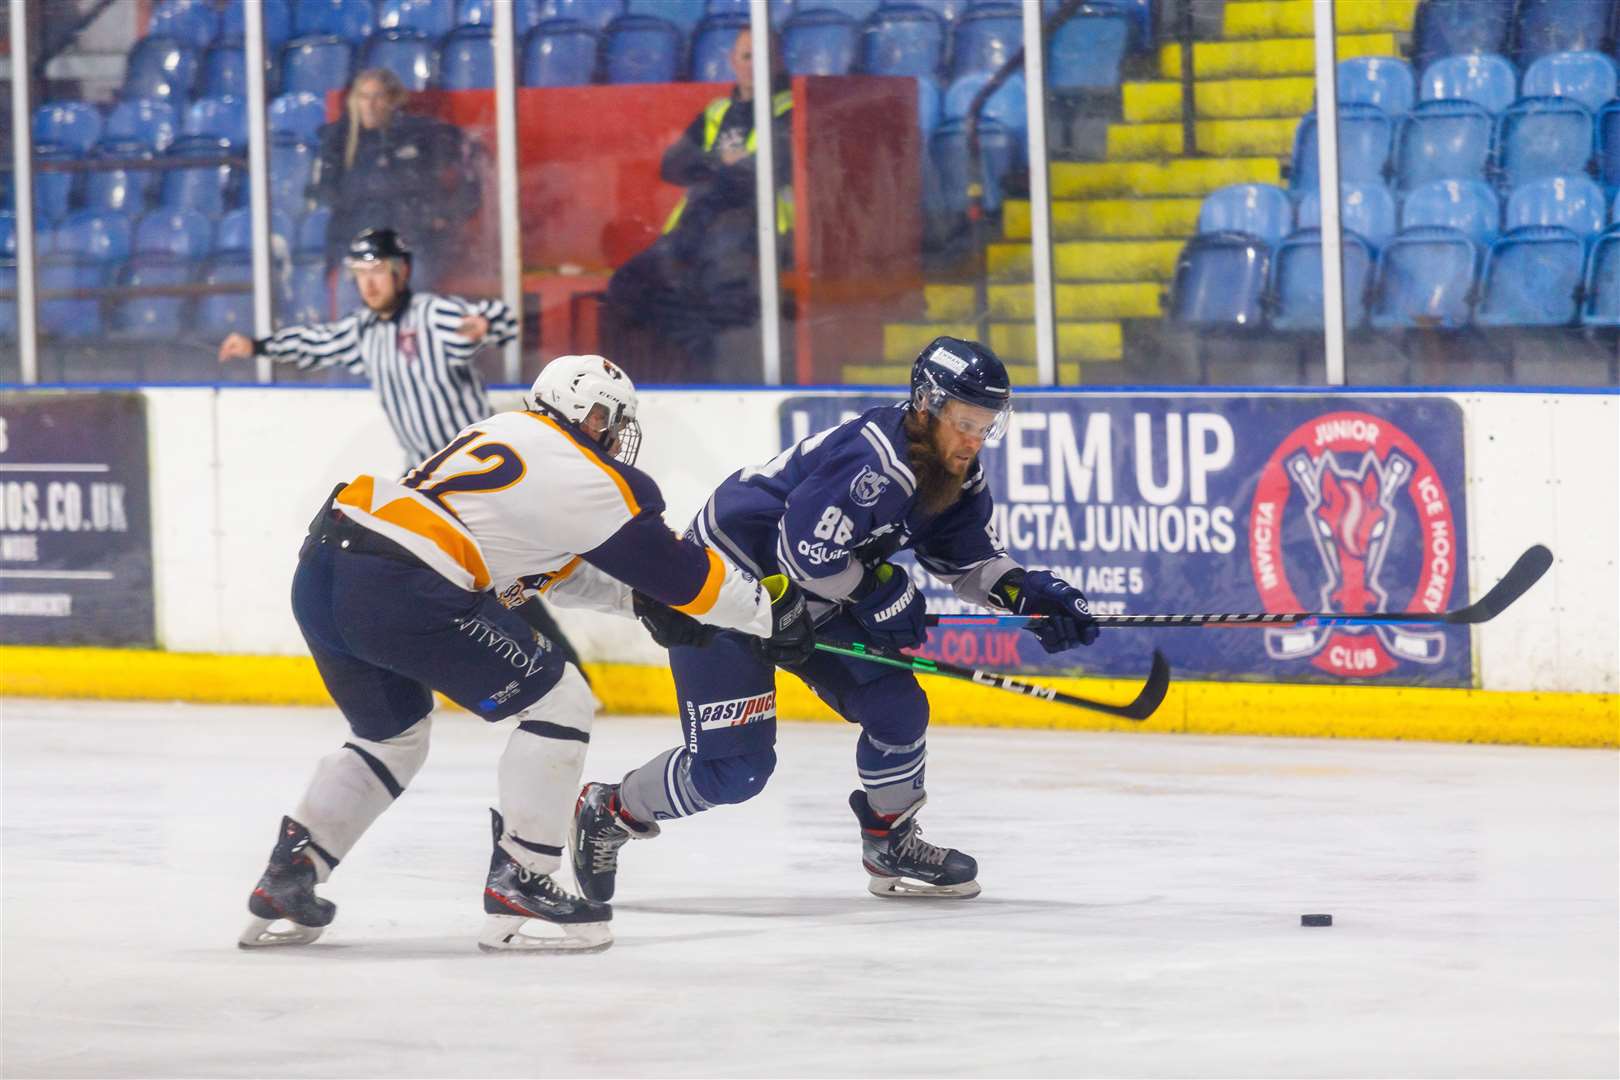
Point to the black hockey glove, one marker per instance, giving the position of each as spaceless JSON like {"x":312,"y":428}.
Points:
{"x":667,"y":626}
{"x":1068,"y":619}
{"x":891,"y":610}
{"x":793,"y":638}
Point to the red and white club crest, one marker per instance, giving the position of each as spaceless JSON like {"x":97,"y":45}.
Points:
{"x":1354,"y":477}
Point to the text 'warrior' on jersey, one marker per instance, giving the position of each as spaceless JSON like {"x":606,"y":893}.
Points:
{"x":843,"y":500}
{"x":525,"y":503}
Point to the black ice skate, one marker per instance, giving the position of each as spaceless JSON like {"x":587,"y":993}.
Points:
{"x":286,"y":894}
{"x":902,"y":863}
{"x":600,"y":829}
{"x":513,"y":895}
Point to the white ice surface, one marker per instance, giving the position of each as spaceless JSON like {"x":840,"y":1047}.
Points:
{"x":1140,"y":913}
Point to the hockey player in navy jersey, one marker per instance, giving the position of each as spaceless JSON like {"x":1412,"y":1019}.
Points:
{"x":829,"y":513}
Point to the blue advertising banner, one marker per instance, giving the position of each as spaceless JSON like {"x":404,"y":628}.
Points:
{"x":1216,"y":503}
{"x":75,"y":520}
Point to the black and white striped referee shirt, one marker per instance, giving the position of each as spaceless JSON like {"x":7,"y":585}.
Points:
{"x":419,"y":361}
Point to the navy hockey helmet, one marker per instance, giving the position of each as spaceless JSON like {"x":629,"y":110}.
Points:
{"x":377,"y":245}
{"x":954,"y":369}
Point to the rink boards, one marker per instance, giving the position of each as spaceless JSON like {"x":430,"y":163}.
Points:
{"x":1169,"y":501}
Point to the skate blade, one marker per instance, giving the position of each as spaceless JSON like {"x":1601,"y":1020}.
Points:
{"x":504,"y":933}
{"x":260,"y":935}
{"x":908,"y":889}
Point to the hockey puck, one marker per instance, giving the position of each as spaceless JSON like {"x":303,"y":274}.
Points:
{"x":1316,"y":920}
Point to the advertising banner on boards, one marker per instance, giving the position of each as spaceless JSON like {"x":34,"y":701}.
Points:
{"x":1224,"y":503}
{"x":75,"y":519}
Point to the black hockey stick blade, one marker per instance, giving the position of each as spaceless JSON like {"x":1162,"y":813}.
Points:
{"x":1515,"y":583}
{"x":1141,"y":707}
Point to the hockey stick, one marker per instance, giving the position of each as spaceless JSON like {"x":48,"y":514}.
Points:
{"x":1147,"y":700}
{"x":1524,"y":573}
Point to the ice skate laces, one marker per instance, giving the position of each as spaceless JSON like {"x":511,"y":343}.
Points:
{"x":911,"y":845}
{"x":605,"y":843}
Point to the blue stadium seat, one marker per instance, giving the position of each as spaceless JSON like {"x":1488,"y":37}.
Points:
{"x":1262,"y":210}
{"x":855,"y":9}
{"x":597,"y":13}
{"x":1220,"y":282}
{"x":316,"y":65}
{"x":999,"y":150}
{"x":1450,"y":27}
{"x":1007,"y":106}
{"x":411,"y":56}
{"x":1531,"y":278}
{"x":8,"y":235}
{"x":152,"y":123}
{"x":1588,"y":77}
{"x":1296,"y":281}
{"x":54,"y":191}
{"x":218,"y":118}
{"x":1442,"y":140}
{"x":685,"y":14}
{"x":226,"y":313}
{"x":278,"y":23}
{"x":71,"y":319}
{"x":641,"y":49}
{"x":1601,"y":306}
{"x":1486,"y":79}
{"x":820,"y":43}
{"x":1383,"y":81}
{"x":482,"y":13}
{"x":123,"y":190}
{"x":906,"y":40}
{"x":1086,"y":52}
{"x":309,"y":299}
{"x":986,"y":37}
{"x":235,"y":233}
{"x":930,"y":108}
{"x":70,"y":124}
{"x":1571,"y":202}
{"x":467,"y":60}
{"x":1425,"y":278}
{"x":301,"y":114}
{"x":560,"y":52}
{"x":104,"y":237}
{"x":292,"y":162}
{"x":1608,"y":137}
{"x":1137,"y":13}
{"x":1469,"y":206}
{"x":1366,"y":209}
{"x":949,"y":10}
{"x":430,"y":18}
{"x":152,"y":317}
{"x":1614,"y":210}
{"x":711,"y":47}
{"x":1549,"y":26}
{"x":311,"y":236}
{"x":194,"y":22}
{"x":1365,"y":135}
{"x":185,"y":234}
{"x":208,"y":188}
{"x":1543,"y":137}
{"x":223,"y":73}
{"x":159,"y":67}
{"x":351,"y":20}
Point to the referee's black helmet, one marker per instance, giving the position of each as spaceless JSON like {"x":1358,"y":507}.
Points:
{"x":376,"y":245}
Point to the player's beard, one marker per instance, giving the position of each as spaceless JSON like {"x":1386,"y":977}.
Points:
{"x":937,"y":486}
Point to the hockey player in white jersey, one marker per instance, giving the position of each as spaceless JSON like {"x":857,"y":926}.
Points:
{"x":405,"y":587}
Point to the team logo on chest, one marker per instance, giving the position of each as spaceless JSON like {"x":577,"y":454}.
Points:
{"x":867,"y":486}
{"x":405,"y":339}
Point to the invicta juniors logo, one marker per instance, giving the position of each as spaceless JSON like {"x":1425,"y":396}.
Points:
{"x":1372,"y":503}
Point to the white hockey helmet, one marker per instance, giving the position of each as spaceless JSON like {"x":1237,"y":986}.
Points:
{"x":574,"y":385}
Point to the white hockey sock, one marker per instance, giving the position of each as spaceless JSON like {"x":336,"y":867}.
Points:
{"x":355,"y":784}
{"x":540,"y":772}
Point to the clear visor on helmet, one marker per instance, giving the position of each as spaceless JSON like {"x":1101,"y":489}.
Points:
{"x":964,"y":417}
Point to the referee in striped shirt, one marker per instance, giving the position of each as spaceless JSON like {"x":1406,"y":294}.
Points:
{"x":416,"y":347}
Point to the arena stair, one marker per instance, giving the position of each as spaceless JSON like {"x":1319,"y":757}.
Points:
{"x":1119,"y":224}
